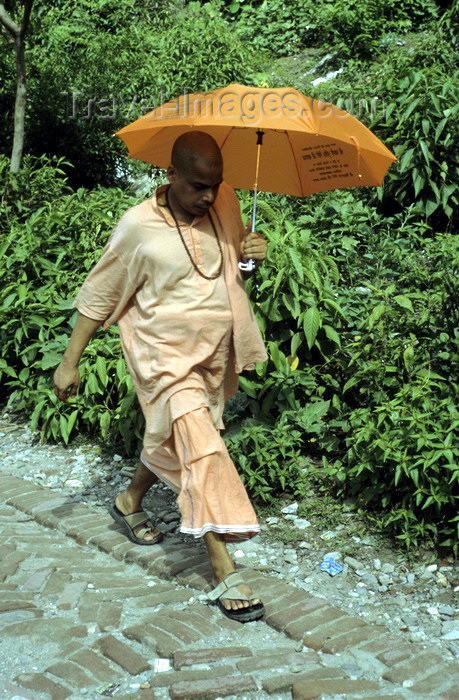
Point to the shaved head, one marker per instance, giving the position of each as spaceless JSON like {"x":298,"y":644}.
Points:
{"x":193,"y":147}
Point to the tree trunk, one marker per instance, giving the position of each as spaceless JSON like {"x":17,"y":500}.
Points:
{"x":18,"y":33}
{"x":19,"y":107}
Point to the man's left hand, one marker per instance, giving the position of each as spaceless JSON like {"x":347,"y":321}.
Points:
{"x":254,"y":246}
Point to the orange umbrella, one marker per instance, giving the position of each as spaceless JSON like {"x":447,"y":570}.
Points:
{"x":309,"y":145}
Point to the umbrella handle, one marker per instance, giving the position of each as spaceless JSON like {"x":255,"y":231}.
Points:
{"x":251,"y":264}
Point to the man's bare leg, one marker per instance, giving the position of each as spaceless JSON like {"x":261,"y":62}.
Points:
{"x":130,"y":501}
{"x":222,"y":565}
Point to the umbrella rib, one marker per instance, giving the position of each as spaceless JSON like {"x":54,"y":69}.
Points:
{"x":296,"y":165}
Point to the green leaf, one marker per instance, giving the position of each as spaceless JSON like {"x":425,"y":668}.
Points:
{"x":296,"y":260}
{"x":408,"y":356}
{"x":104,"y":422}
{"x":375,"y":315}
{"x":101,"y":367}
{"x":332,"y":334}
{"x":311,"y":325}
{"x":404,"y":302}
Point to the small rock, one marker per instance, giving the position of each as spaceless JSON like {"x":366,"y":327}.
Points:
{"x":333,"y":555}
{"x":292,"y":508}
{"x":272,"y":520}
{"x":353,"y":563}
{"x":296,"y":669}
{"x":238,"y":554}
{"x":446,"y":610}
{"x":74,"y":483}
{"x":432,"y":611}
{"x":441,"y":579}
{"x":454,"y":634}
{"x":384,"y":579}
{"x":117,"y":458}
{"x":370,"y":581}
{"x":377,"y":564}
{"x":388,"y":568}
{"x":301,"y":523}
{"x":450,"y":627}
{"x":305,"y":545}
{"x":410,"y":578}
{"x":431,"y":567}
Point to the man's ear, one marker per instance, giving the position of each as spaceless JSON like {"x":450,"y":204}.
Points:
{"x":171,"y":173}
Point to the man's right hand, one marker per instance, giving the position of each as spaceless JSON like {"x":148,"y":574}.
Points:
{"x":65,"y":381}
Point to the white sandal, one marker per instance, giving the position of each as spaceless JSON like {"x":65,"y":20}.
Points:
{"x":226,"y":590}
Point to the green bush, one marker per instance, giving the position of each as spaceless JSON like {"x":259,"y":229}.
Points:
{"x":354,"y":29}
{"x":46,"y":254}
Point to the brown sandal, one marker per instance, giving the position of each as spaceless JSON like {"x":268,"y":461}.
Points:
{"x":133,"y":520}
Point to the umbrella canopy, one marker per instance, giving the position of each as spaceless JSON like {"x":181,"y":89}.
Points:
{"x":308,"y":145}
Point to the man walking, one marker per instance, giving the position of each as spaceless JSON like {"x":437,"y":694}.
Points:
{"x":169,"y":277}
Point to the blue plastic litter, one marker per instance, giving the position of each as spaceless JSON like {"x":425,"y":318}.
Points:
{"x":331,"y":566}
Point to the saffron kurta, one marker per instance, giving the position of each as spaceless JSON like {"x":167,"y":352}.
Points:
{"x":184,"y":338}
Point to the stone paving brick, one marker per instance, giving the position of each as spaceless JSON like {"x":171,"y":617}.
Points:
{"x":70,"y":673}
{"x":56,"y":583}
{"x":164,"y":598}
{"x":317,"y":637}
{"x":315,"y":689}
{"x":75,"y":526}
{"x":161,"y":680}
{"x":42,"y":684}
{"x":122,"y":655}
{"x":196,"y":577}
{"x":54,"y":628}
{"x":451,"y":693}
{"x":71,"y":594}
{"x":84,"y":536}
{"x":20,"y":490}
{"x":337,"y":644}
{"x":295,"y":658}
{"x":109,"y":615}
{"x":203,"y":627}
{"x":207,"y":656}
{"x":211,"y":689}
{"x":377,"y":697}
{"x":380,"y":645}
{"x":186,"y":561}
{"x":140,"y":694}
{"x":414,"y":667}
{"x":437,"y":680}
{"x":88,"y":611}
{"x":107,"y":540}
{"x":298,"y":622}
{"x":164,"y":643}
{"x":291,"y":606}
{"x":176,"y":627}
{"x":398,"y":653}
{"x":147,"y":555}
{"x":10,"y":564}
{"x":11,"y":605}
{"x":284,"y":683}
{"x":92,"y":662}
{"x":207,"y":612}
{"x":36,"y":581}
{"x":39,"y":503}
{"x":120,"y":550}
{"x":6,"y":549}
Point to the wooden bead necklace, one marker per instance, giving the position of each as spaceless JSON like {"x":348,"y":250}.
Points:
{"x":220,"y":267}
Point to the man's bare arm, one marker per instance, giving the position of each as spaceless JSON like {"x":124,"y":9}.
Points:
{"x":67,"y":377}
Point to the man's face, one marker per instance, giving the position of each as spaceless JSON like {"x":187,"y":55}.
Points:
{"x":196,"y":190}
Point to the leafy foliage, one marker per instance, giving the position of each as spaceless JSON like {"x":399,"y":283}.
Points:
{"x":358,"y":299}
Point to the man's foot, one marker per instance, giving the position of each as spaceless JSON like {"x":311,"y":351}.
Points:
{"x":127,"y":507}
{"x":243,"y":588}
{"x":226,"y":596}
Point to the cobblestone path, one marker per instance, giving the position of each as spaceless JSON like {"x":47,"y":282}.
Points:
{"x":86,"y":614}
